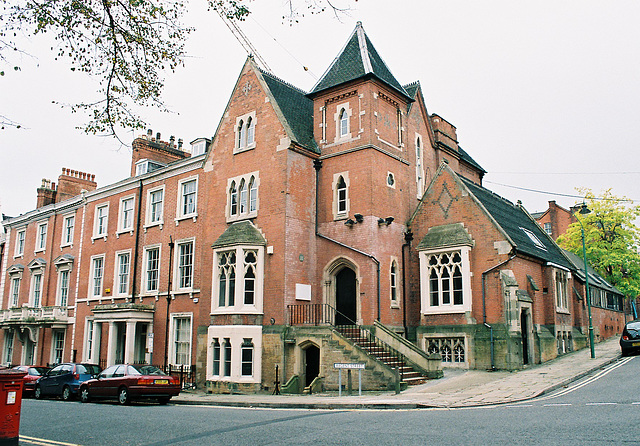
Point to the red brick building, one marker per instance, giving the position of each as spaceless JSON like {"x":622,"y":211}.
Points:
{"x":555,"y":220}
{"x":337,"y":226}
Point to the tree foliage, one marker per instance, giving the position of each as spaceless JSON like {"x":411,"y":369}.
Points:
{"x":612,"y":239}
{"x":127,"y":45}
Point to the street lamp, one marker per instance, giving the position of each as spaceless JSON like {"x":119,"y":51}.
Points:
{"x":584,"y":210}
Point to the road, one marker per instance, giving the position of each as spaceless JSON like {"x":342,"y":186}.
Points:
{"x":600,"y":409}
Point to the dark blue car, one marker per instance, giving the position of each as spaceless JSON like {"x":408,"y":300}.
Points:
{"x":64,"y":380}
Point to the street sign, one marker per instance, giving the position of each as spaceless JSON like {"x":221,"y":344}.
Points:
{"x":349,"y":365}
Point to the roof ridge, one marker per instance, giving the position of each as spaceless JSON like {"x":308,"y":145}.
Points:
{"x":411,"y":84}
{"x":282,"y":81}
{"x":487,"y":190}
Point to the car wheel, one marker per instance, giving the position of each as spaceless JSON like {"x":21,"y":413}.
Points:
{"x":123,"y":396}
{"x":84,"y":395}
{"x":164,"y":400}
{"x":37,"y":393}
{"x":66,"y":393}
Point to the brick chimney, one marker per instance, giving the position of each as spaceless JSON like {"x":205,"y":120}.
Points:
{"x":154,"y":149}
{"x":73,"y":182}
{"x":445,"y":132}
{"x":46,"y":193}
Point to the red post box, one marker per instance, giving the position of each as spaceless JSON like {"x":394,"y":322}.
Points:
{"x":11,"y":382}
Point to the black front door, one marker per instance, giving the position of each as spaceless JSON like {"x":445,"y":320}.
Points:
{"x":345,"y":297}
{"x":312,"y":364}
{"x":525,"y":337}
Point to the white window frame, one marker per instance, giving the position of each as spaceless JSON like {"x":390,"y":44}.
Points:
{"x":394,"y":284}
{"x":236,"y":336}
{"x":57,"y":337}
{"x":9,"y":342}
{"x":173,"y":348}
{"x":245,"y":127}
{"x":41,"y":237}
{"x":342,"y":136}
{"x":91,"y":291}
{"x":14,"y":291}
{"x":177,"y":285}
{"x":181,"y":215}
{"x":561,"y":290}
{"x":339,"y":214}
{"x":61,"y":300}
{"x":252,"y":200}
{"x":239,"y":305}
{"x":21,"y":235}
{"x":149,"y":213}
{"x":145,"y":268}
{"x":101,"y":221}
{"x":68,"y":230}
{"x":547,"y":228}
{"x":117,"y":273}
{"x":35,"y":291}
{"x":425,"y":295}
{"x":534,"y":238}
{"x":122,"y":213}
{"x":420,"y":183}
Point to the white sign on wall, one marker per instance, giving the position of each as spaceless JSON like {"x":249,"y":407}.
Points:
{"x":303,"y":291}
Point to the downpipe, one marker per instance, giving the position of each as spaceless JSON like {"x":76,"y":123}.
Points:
{"x":484,"y":310}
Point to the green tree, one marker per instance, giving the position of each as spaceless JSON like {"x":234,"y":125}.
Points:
{"x":127,"y":45}
{"x":611,"y":239}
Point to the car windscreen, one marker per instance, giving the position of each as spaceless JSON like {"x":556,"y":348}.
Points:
{"x":633,"y":326}
{"x":37,"y":371}
{"x":145,"y":370}
{"x":87,"y":369}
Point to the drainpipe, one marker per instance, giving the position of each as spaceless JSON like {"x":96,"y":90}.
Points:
{"x":484,"y":307}
{"x":136,"y":249}
{"x":317,"y":165}
{"x":408,"y":237}
{"x":166,"y":328}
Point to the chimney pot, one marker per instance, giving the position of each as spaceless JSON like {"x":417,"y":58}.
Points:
{"x":158,"y":137}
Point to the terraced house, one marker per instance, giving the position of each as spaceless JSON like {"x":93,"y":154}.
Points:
{"x":341,"y":225}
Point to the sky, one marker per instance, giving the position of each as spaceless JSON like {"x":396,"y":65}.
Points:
{"x":545,"y":95}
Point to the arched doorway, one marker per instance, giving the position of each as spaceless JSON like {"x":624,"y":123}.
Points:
{"x":311,"y":364}
{"x":345,"y":297}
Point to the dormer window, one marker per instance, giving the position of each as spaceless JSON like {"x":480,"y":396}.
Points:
{"x":146,"y":166}
{"x":199,"y":146}
{"x":245,"y":132}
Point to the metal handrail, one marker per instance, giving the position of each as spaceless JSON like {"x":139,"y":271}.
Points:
{"x":325,"y":314}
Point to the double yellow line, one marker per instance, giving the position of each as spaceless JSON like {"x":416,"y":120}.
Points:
{"x":41,"y":441}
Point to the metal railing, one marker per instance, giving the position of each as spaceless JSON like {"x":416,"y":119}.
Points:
{"x":325,"y":314}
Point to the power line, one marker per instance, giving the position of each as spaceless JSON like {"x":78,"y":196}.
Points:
{"x":566,"y":173}
{"x":621,"y":200}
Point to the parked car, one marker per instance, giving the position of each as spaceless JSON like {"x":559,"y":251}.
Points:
{"x":64,"y":380}
{"x":126,"y":382}
{"x":32,"y":374}
{"x":630,"y":339}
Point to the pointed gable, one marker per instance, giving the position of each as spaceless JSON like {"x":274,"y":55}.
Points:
{"x":296,"y":108}
{"x":358,"y":59}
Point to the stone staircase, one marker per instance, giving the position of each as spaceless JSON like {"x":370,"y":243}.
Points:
{"x":382,"y":352}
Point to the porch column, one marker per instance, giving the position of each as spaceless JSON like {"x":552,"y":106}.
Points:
{"x":130,"y":342}
{"x":111,"y":344}
{"x":95,"y":346}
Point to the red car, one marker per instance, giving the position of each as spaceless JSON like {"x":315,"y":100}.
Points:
{"x":126,"y":382}
{"x":32,"y":374}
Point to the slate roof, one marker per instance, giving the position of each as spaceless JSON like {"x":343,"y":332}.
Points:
{"x":358,"y":59}
{"x":444,"y":236}
{"x":512,"y":219}
{"x":595,"y":279}
{"x":240,"y":233}
{"x":297,"y":109}
{"x":464,"y":156}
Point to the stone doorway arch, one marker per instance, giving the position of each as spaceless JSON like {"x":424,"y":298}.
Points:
{"x":341,"y":290}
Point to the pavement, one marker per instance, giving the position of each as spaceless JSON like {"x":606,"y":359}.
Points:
{"x":458,"y":388}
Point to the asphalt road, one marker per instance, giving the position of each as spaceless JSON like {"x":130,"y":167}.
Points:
{"x":600,"y":409}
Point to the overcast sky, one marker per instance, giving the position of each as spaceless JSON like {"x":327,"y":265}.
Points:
{"x":544,"y":95}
